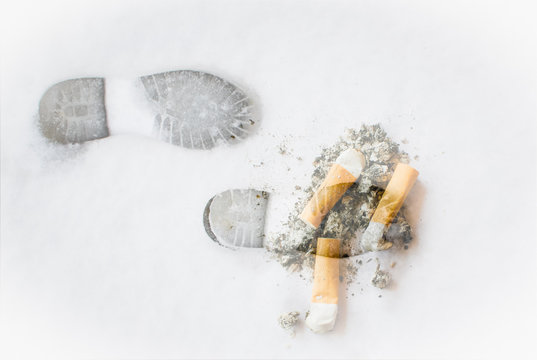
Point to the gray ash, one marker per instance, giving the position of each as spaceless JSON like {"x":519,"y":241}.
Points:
{"x":349,"y":218}
{"x":381,"y":279}
{"x":288,"y":321}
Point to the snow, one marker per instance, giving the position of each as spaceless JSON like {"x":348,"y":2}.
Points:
{"x":237,"y":218}
{"x":198,"y":110}
{"x":103,"y":249}
{"x":73,"y":111}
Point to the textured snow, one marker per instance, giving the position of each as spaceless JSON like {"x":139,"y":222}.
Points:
{"x":103,"y":250}
{"x":198,"y":110}
{"x":237,"y":217}
{"x":73,"y":111}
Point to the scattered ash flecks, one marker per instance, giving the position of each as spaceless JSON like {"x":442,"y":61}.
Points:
{"x":284,"y":146}
{"x":349,"y":269}
{"x":294,"y":245}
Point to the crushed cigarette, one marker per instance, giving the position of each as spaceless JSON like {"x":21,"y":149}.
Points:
{"x":324,"y":301}
{"x":395,"y":194}
{"x":343,"y":173}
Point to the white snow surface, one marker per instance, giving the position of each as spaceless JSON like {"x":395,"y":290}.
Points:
{"x":103,"y":250}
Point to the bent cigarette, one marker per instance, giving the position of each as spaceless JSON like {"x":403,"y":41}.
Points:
{"x":396,"y":192}
{"x":323,"y":310}
{"x":340,"y":177}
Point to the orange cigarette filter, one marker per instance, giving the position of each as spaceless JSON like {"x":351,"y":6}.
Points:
{"x":326,"y":273}
{"x":340,"y":177}
{"x":400,"y":184}
{"x":323,"y":307}
{"x":396,"y":192}
{"x":337,"y":181}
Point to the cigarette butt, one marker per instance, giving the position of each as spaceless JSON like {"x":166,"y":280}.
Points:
{"x":393,"y":198}
{"x":396,"y":192}
{"x":340,"y":177}
{"x":323,"y":310}
{"x":326,"y":273}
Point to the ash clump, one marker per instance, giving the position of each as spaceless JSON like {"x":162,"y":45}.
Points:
{"x":295,"y":245}
{"x":288,"y":321}
{"x":381,"y":279}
